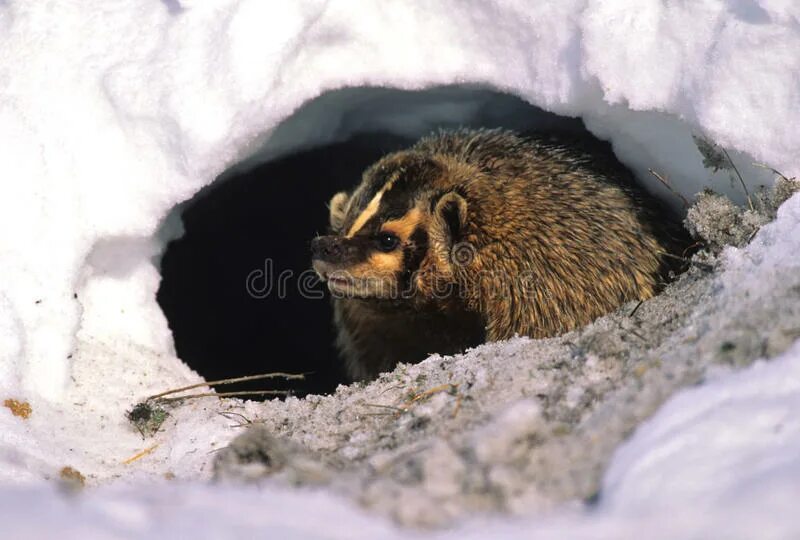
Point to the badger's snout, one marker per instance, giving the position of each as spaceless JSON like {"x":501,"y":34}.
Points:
{"x":330,"y":257}
{"x":327,"y":249}
{"x":337,"y":250}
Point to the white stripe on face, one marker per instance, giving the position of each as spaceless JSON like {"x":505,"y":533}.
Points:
{"x":372,"y":208}
{"x":366,"y":214}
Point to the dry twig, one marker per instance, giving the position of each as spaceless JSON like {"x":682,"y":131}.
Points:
{"x":224,"y":394}
{"x":741,"y":180}
{"x":775,"y":171}
{"x":287,"y":376}
{"x":140,"y":455}
{"x":697,"y":263}
{"x":668,"y":185}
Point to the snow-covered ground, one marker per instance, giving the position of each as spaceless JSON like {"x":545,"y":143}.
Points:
{"x":113,"y":113}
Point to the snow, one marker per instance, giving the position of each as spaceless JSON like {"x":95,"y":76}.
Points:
{"x":735,"y":437}
{"x":111,"y":114}
{"x":716,"y":444}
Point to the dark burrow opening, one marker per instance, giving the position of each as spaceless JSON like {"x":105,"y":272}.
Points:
{"x":237,"y":288}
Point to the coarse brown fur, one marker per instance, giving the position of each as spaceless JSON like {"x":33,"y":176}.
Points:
{"x":471,"y":236}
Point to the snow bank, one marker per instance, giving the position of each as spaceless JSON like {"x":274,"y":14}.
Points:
{"x":111,"y":114}
{"x":737,"y":437}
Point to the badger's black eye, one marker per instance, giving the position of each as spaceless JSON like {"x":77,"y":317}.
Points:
{"x":387,"y":241}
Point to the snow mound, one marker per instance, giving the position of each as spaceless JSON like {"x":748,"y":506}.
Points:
{"x":105,"y":133}
{"x":113,"y":114}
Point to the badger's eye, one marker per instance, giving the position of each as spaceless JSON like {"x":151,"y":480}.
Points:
{"x":387,"y":241}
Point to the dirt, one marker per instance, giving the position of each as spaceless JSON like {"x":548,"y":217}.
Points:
{"x":71,"y":479}
{"x":18,"y":408}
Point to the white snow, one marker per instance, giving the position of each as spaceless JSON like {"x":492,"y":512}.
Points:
{"x":113,"y":113}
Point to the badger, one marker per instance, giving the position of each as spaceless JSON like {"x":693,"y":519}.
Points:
{"x":480,"y":235}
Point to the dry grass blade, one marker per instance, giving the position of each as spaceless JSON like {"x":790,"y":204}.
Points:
{"x":277,"y":375}
{"x":447,"y":387}
{"x":406,"y":407}
{"x":457,"y":408}
{"x":774,"y":171}
{"x":389,"y":407}
{"x":224,"y":394}
{"x":140,"y":455}
{"x":669,"y":187}
{"x":238,"y":417}
{"x":699,"y":264}
{"x":741,"y":180}
{"x":228,"y":414}
{"x":691,"y":247}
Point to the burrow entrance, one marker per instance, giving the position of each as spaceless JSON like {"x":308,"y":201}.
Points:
{"x":236,"y":287}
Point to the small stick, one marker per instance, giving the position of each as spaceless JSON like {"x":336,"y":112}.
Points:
{"x":669,"y":187}
{"x":225,"y":414}
{"x":628,"y":330}
{"x":395,"y":387}
{"x":428,"y":393}
{"x":635,"y":333}
{"x":736,"y":170}
{"x":696,"y":244}
{"x":684,"y":259}
{"x":395,"y":409}
{"x":775,"y":171}
{"x":288,"y":376}
{"x":458,"y":406}
{"x":226,"y":394}
{"x":140,"y":455}
{"x":632,"y":313}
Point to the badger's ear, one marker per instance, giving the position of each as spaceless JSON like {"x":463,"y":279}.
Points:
{"x":337,"y":210}
{"x":449,"y":218}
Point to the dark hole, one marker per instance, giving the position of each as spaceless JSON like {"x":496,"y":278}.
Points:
{"x":259,"y":224}
{"x":247,"y":221}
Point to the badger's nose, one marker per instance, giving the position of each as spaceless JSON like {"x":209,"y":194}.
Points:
{"x":326,"y":248}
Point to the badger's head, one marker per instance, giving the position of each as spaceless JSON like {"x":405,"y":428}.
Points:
{"x":394,"y":233}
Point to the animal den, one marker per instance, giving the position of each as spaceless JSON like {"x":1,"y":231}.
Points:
{"x":237,"y":287}
{"x":229,"y":270}
{"x":170,"y":186}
